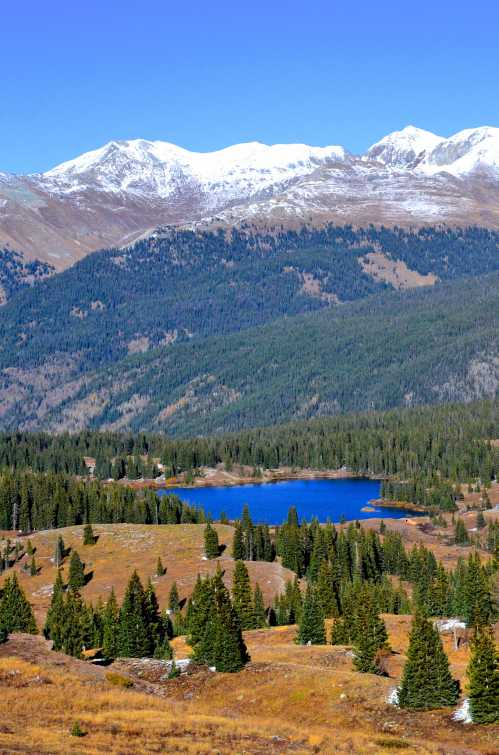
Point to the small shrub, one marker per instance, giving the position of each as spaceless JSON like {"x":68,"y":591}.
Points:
{"x":118,"y":680}
{"x":393,"y":744}
{"x":77,"y":731}
{"x":174,"y":671}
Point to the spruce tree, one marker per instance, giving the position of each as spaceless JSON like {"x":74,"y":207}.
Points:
{"x":73,"y":625}
{"x":88,"y":535}
{"x":339,"y":633}
{"x":480,"y":521}
{"x":326,"y":593}
{"x":134,"y":640}
{"x":59,"y":552}
{"x":426,"y":680}
{"x":483,"y":677}
{"x":222,"y":644}
{"x":33,"y":569}
{"x":76,"y":579}
{"x":238,"y":553}
{"x":461,"y":536}
{"x":155,"y":625}
{"x":478,"y":603}
{"x":110,"y":621}
{"x":160,"y":569}
{"x":371,"y":636}
{"x":242,"y":597}
{"x":215,"y":631}
{"x":311,"y":627}
{"x":211,"y":545}
{"x":173,"y":599}
{"x":16,"y":614}
{"x":55,"y":614}
{"x":259,"y":607}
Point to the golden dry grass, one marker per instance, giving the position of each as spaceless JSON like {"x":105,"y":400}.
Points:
{"x":121,"y":548}
{"x":289,"y":699}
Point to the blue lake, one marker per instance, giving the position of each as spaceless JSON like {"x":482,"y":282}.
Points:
{"x":269,"y":502}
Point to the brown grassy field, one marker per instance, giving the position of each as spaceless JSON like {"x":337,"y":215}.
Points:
{"x":121,"y":548}
{"x":290,"y":699}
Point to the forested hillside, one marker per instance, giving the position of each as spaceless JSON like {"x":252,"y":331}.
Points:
{"x":16,"y":273}
{"x":200,"y":332}
{"x":399,"y":349}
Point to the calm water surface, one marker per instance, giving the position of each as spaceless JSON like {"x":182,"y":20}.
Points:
{"x":269,"y":502}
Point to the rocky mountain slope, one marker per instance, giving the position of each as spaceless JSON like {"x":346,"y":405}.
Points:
{"x":124,"y":190}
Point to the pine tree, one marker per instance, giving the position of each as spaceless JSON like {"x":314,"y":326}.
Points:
{"x":215,"y":630}
{"x":211,"y":545}
{"x":110,"y":620}
{"x":59,"y":552}
{"x":76,"y":578}
{"x":154,"y":621}
{"x":371,"y":636}
{"x":16,"y":614}
{"x":478,"y":604}
{"x":163,"y":649}
{"x":326,"y":593}
{"x":259,"y":607}
{"x":73,"y":625}
{"x":88,"y":535}
{"x":173,"y":599}
{"x":426,"y":680}
{"x":237,"y":543}
{"x":160,"y":569}
{"x":480,"y":521}
{"x":339,"y":633}
{"x":483,"y":677}
{"x":311,"y":627}
{"x":55,"y":614}
{"x":33,"y":568}
{"x":242,"y":597}
{"x":461,"y":536}
{"x":134,"y":640}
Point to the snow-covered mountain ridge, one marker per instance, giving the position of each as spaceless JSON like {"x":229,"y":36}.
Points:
{"x":140,"y":167}
{"x":124,"y":190}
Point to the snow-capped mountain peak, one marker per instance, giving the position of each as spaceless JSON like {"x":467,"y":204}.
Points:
{"x":470,"y":150}
{"x":403,"y":148}
{"x":159,"y":168}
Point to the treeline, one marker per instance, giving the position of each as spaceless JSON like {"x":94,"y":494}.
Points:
{"x":423,"y":449}
{"x":36,"y":501}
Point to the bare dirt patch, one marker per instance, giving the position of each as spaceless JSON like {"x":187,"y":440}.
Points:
{"x":395,"y":272}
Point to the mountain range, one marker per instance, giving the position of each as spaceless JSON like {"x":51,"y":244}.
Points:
{"x":124,"y":190}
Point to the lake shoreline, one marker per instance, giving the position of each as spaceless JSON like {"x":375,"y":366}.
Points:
{"x":218,"y":477}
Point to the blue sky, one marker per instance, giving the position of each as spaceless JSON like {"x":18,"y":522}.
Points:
{"x":75,"y":74}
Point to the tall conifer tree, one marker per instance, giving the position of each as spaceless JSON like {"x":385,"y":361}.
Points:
{"x":16,"y":614}
{"x":134,"y":640}
{"x":311,"y":627}
{"x":483,"y":678}
{"x":242,"y":597}
{"x":211,"y":545}
{"x":426,"y":679}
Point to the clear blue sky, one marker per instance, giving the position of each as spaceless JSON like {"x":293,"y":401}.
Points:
{"x":77,"y":73}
